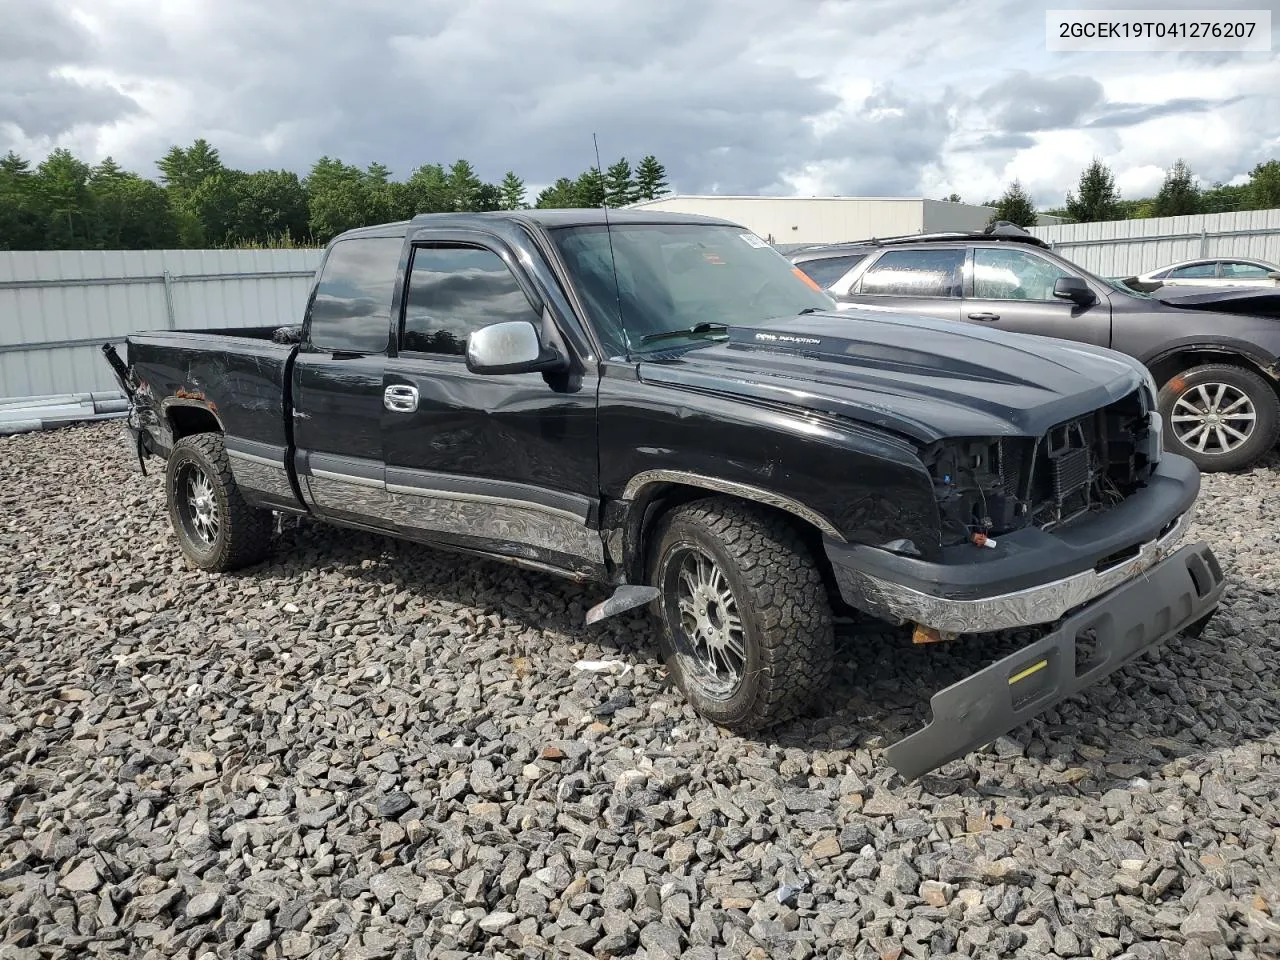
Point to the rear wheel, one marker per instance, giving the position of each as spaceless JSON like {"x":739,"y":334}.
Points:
{"x":1221,"y":416}
{"x":217,"y":530}
{"x":747,"y":631}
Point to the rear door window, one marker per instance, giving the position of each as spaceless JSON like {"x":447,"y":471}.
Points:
{"x":826,"y":271}
{"x":1195,"y":271}
{"x":351,"y":312}
{"x":915,"y":273}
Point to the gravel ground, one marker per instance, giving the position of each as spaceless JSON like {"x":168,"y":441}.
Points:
{"x":368,"y":749}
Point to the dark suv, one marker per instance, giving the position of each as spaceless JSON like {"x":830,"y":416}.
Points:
{"x":1217,"y":369}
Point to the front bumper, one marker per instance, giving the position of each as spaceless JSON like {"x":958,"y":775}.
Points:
{"x":1179,"y":592}
{"x":1033,"y":576}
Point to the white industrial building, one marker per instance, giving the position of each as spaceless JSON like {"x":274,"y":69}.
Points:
{"x":798,"y":220}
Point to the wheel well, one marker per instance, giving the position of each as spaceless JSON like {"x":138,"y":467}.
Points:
{"x":185,"y":421}
{"x":656,"y":500}
{"x":1166,"y":368}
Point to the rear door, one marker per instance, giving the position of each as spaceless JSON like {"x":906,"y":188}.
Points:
{"x":502,"y":464}
{"x":1010,"y":287}
{"x":338,"y":382}
{"x":923,"y":281}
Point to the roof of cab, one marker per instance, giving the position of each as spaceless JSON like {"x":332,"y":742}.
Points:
{"x":550,"y":218}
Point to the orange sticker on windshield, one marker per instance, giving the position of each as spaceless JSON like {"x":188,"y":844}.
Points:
{"x":806,"y":278}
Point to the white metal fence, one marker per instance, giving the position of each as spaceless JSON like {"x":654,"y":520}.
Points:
{"x":1126,"y":248}
{"x":58,"y":307}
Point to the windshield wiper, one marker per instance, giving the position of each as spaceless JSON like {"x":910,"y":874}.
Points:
{"x":807,"y":310}
{"x":698,"y":329}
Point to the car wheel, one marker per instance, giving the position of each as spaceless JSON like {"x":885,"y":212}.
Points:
{"x":747,"y":633}
{"x":1222,"y":417}
{"x":216,"y":529}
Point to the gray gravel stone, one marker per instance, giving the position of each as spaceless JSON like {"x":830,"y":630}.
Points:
{"x":340,"y":744}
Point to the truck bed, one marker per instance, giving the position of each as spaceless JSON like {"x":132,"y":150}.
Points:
{"x":238,"y":373}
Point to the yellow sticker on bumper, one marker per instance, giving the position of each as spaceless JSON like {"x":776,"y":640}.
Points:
{"x":1022,"y":675}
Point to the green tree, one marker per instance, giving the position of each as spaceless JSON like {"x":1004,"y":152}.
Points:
{"x":511,"y":193}
{"x":1179,"y":193}
{"x":464,"y":186}
{"x":488,"y":197}
{"x":1264,"y":186}
{"x":954,"y":198}
{"x":651,"y":179}
{"x":268,"y":205}
{"x":589,"y":189}
{"x":340,"y":199}
{"x":1225,"y":197}
{"x":619,"y":184}
{"x":561,"y":194}
{"x":427,"y":190}
{"x":131,"y":213}
{"x":62,"y":183}
{"x":182,"y":170}
{"x":1015,"y":206}
{"x":1096,"y":196}
{"x":23,"y":217}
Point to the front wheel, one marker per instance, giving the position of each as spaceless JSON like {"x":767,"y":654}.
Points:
{"x":1220,"y":416}
{"x":217,"y":530}
{"x":747,"y":631}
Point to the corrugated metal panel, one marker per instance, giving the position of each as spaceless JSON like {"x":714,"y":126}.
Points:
{"x":1125,"y":248}
{"x":57,"y":306}
{"x":789,"y":220}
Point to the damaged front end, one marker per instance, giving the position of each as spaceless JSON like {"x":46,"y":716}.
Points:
{"x":986,"y":487}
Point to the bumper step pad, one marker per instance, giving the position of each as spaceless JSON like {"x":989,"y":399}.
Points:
{"x":1178,"y":593}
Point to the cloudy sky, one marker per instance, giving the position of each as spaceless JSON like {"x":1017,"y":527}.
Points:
{"x":874,"y":97}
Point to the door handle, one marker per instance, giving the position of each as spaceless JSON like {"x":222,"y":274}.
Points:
{"x":400,"y":398}
{"x":984,"y":317}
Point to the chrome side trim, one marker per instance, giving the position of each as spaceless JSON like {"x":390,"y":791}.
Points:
{"x":254,"y":458}
{"x":1044,"y":603}
{"x":496,"y":519}
{"x":437,"y":494}
{"x":348,"y":478}
{"x":746,"y":491}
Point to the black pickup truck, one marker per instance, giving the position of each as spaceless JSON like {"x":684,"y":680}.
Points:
{"x":664,"y":404}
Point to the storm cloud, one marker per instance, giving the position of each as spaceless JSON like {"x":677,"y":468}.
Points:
{"x":816,"y":96}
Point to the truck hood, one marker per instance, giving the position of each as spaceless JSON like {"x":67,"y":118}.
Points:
{"x":924,"y":378}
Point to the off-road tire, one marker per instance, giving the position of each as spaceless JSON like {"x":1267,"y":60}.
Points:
{"x":1262,"y":396}
{"x":782,"y":602}
{"x":244,"y":532}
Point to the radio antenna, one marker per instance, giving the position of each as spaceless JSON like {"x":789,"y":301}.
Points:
{"x":613,"y":259}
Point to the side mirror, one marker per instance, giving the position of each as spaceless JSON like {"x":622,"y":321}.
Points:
{"x":1075,"y":290}
{"x":512,"y":347}
{"x":1274,"y":274}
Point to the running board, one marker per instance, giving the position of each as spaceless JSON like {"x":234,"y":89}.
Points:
{"x":626,"y":597}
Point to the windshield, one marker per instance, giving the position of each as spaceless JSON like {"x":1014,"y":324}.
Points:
{"x":1125,"y":288}
{"x":681,"y":277}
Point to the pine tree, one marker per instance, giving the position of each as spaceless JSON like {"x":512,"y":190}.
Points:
{"x":561,"y":194}
{"x":589,"y":189}
{"x":1015,"y":206}
{"x":651,"y":179}
{"x":619,"y":184}
{"x":14,"y":165}
{"x":954,"y":198}
{"x":1096,"y":196}
{"x":184,"y":170}
{"x":511,"y":193}
{"x":1178,"y":194}
{"x":463,"y":186}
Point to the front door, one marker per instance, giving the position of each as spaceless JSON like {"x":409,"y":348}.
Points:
{"x":1011,"y":288}
{"x":338,"y":383}
{"x":503,"y":464}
